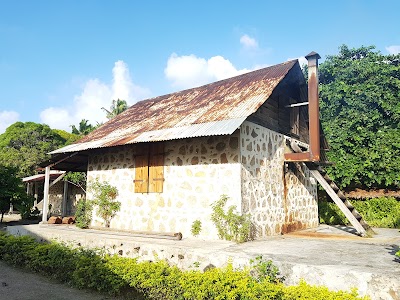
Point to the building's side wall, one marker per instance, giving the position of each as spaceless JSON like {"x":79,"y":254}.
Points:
{"x":276,"y":199}
{"x":56,"y":197}
{"x":56,"y":194}
{"x":197,"y":172}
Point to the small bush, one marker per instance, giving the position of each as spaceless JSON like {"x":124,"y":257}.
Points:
{"x":83,"y":213}
{"x":230,"y":225}
{"x":265,"y":270}
{"x":104,"y":198}
{"x":380,"y":212}
{"x":377,"y":212}
{"x":196,"y":228}
{"x":155,"y":280}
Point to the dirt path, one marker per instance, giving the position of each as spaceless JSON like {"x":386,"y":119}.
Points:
{"x":18,"y":284}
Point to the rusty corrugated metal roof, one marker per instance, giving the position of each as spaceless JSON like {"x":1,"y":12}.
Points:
{"x":217,"y":108}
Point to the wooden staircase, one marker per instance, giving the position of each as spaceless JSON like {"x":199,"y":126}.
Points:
{"x":362,"y":228}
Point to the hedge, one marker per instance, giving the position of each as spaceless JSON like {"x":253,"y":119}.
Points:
{"x":92,"y":269}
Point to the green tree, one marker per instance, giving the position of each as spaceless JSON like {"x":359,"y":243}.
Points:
{"x":360,"y":114}
{"x":25,"y":145}
{"x":104,"y":197}
{"x":11,"y":189}
{"x":117,"y":106}
{"x":84,"y":128}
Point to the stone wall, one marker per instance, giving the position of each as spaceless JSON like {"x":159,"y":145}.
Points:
{"x":56,"y":194}
{"x":277,"y":200}
{"x":197,"y":172}
{"x":56,"y":197}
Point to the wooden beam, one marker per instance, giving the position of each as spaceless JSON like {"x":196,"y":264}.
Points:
{"x":46,"y":195}
{"x":58,"y":179}
{"x":317,"y":175}
{"x":65,"y":199}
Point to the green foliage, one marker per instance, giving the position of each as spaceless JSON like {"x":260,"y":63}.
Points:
{"x":83,"y":213}
{"x":307,"y":292}
{"x":68,"y":137}
{"x":378,"y":212}
{"x":230,"y":225}
{"x":78,"y":179}
{"x":11,"y":190}
{"x":24,"y":205}
{"x":329,"y":213}
{"x":104,"y":196}
{"x":25,"y":145}
{"x":398,"y":253}
{"x":117,"y":106}
{"x":265,"y":270}
{"x":360,"y":114}
{"x":151,"y":280}
{"x":84,"y":128}
{"x":196,"y":228}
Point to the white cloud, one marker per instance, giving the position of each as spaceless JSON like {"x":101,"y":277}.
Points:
{"x":395,"y":49}
{"x":188,"y":71}
{"x":248,"y":42}
{"x":7,"y":118}
{"x":302,"y":60}
{"x":56,"y":117}
{"x":123,"y":86}
{"x":95,"y":95}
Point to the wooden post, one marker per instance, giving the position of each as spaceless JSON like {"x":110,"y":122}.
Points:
{"x":46,"y":195}
{"x":36,"y":195}
{"x":65,"y":199}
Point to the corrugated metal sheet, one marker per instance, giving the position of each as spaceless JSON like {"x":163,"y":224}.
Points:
{"x":218,"y":108}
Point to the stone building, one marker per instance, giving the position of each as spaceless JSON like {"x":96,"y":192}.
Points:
{"x":171,"y":157}
{"x":62,"y":195}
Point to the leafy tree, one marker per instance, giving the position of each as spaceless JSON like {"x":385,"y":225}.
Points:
{"x":360,"y":114}
{"x":68,"y":137}
{"x":78,"y":179}
{"x":118,"y":106}
{"x":105,"y":196}
{"x":84,"y":128}
{"x":11,"y":189}
{"x":25,"y":145}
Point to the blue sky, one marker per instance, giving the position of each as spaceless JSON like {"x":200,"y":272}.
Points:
{"x":61,"y":61}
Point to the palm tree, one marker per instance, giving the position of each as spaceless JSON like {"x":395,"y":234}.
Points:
{"x":118,"y":106}
{"x":84,"y":128}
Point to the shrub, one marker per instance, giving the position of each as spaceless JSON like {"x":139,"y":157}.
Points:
{"x":83,"y":213}
{"x":230,"y":225}
{"x":265,"y":270}
{"x":380,"y":212}
{"x":154,"y":280}
{"x":196,"y":228}
{"x":104,"y":198}
{"x":377,"y":212}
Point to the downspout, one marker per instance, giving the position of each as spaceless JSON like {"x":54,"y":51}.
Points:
{"x":313,"y":106}
{"x":313,"y":114}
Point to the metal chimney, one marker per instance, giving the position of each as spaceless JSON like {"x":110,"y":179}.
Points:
{"x":313,"y":106}
{"x":313,"y":115}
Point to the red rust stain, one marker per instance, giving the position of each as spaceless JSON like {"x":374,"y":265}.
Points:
{"x":208,"y":103}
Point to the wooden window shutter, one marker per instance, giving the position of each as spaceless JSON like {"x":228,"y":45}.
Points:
{"x":142,"y":170}
{"x":156,"y":168}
